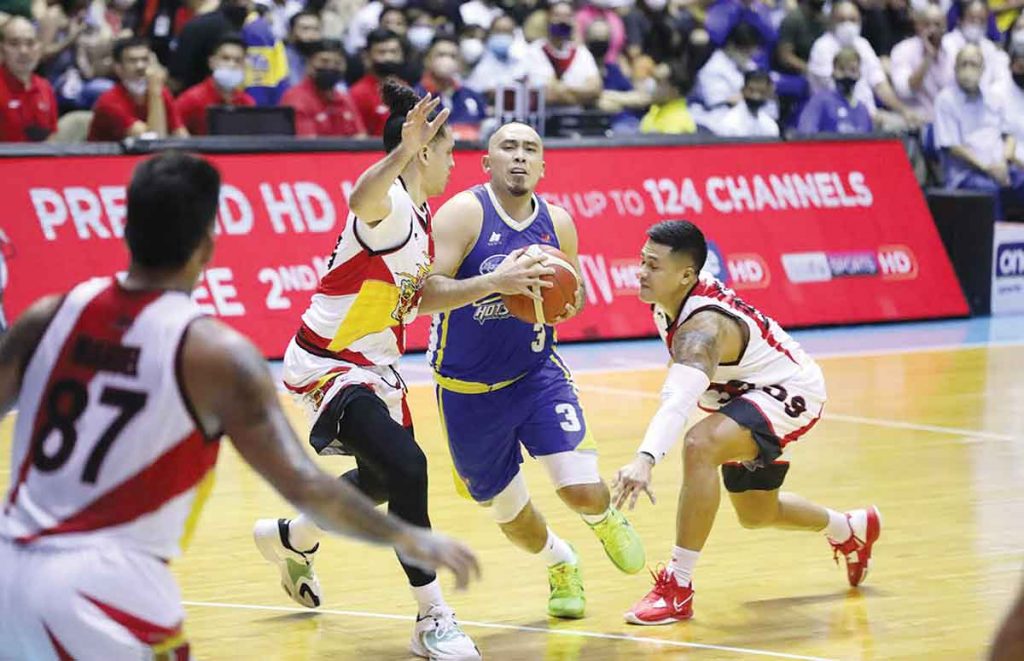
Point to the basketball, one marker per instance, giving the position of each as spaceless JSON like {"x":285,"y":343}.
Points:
{"x":566,"y":282}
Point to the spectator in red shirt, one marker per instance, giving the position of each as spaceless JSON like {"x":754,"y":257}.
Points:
{"x":28,"y":107}
{"x":384,"y":59}
{"x":221,"y":88}
{"x":322,"y":107}
{"x":140,"y":104}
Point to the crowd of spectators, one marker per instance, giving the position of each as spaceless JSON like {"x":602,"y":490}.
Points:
{"x":950,"y":73}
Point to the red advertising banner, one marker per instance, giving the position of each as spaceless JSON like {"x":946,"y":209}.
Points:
{"x":812,"y":233}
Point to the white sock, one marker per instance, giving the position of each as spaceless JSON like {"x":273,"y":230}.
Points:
{"x":303,"y":534}
{"x":594,"y":519}
{"x":838,"y":527}
{"x":428,"y":595}
{"x":556,"y":550}
{"x":682,"y":565}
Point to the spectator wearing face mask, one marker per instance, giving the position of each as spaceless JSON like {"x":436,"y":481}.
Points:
{"x":845,"y":33}
{"x":992,"y":29}
{"x":799,"y":30}
{"x":305,"y":29}
{"x":420,"y":35}
{"x":384,"y":59}
{"x":971,"y":30}
{"x":140,"y":105}
{"x":920,"y":67}
{"x":608,"y":12}
{"x":471,"y":44}
{"x":501,"y":65}
{"x":322,"y":107}
{"x":972,"y":130}
{"x":566,"y":70}
{"x":442,"y":77}
{"x":836,"y":109}
{"x":28,"y":107}
{"x":750,"y":119}
{"x":720,"y":80}
{"x":222,"y":88}
{"x":1012,"y":98}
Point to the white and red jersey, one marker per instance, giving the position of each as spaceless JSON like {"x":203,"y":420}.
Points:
{"x":106,"y":449}
{"x":770,"y":358}
{"x":372,"y":287}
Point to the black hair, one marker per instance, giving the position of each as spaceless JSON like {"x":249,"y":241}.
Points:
{"x":379,"y":36}
{"x":295,"y":19}
{"x":744,"y":35}
{"x":172,"y":203}
{"x":328,"y":45}
{"x":392,"y":10}
{"x":121,"y":45}
{"x":756,"y":76}
{"x":229,"y":39}
{"x":681,"y":236}
{"x":442,"y":38}
{"x":400,"y":99}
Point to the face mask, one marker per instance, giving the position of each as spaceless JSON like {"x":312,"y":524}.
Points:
{"x":500,"y":45}
{"x":598,"y":49}
{"x":973,"y":33}
{"x":420,"y":36}
{"x":137,"y":87}
{"x":845,"y":85}
{"x":228,"y":78}
{"x":307,"y":48}
{"x":656,"y":5}
{"x":968,"y":81}
{"x":326,"y":79}
{"x":385,"y":69}
{"x":236,"y":15}
{"x":847,"y":32}
{"x":754,"y":105}
{"x":472,"y":50}
{"x":560,"y":30}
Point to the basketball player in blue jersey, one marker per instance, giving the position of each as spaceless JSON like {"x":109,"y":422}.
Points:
{"x":500,"y":384}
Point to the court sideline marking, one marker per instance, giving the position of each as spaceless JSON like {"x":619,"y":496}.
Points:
{"x":838,"y":417}
{"x":513,"y":627}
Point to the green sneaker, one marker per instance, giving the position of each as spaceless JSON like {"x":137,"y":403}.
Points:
{"x":566,"y":599}
{"x":620,"y":542}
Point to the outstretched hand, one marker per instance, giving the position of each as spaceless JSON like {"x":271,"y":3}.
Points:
{"x":418,"y":129}
{"x":633,"y":479}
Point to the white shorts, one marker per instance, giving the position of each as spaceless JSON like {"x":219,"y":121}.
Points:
{"x":91,"y":603}
{"x":313,"y":382}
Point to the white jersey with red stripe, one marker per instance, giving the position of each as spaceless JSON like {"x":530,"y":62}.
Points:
{"x":106,"y":449}
{"x":770,"y":358}
{"x":372,"y":287}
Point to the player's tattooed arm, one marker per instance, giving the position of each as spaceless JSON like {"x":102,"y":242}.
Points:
{"x":697,"y":343}
{"x":17,"y":345}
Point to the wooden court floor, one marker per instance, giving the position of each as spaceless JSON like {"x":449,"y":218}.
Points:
{"x":934,"y":438}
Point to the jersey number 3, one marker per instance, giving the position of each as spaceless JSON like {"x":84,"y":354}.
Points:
{"x":65,"y":404}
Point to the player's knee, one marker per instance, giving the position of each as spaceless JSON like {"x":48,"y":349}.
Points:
{"x":756,"y":518}
{"x":508,"y":506}
{"x":410,"y":470}
{"x":699,"y":448}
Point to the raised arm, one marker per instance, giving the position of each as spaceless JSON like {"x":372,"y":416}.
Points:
{"x":228,"y":384}
{"x":455,"y":228}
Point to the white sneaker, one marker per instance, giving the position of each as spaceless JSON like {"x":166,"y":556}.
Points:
{"x":297,"y":576}
{"x":437,"y":636}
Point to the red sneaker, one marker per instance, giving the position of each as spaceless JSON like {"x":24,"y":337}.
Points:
{"x":865,"y":528}
{"x":668,"y":602}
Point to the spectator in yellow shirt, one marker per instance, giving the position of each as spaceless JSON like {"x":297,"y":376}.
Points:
{"x":669,"y":112}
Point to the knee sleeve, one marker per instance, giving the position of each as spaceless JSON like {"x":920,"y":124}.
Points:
{"x":507,"y":505}
{"x":569,"y":468}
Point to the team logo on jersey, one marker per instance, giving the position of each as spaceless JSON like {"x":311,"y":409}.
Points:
{"x":495,"y":239}
{"x":491,"y":263}
{"x":409,"y":286}
{"x":491,"y":308}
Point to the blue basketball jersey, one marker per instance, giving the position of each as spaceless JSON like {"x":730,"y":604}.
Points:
{"x":479,"y":347}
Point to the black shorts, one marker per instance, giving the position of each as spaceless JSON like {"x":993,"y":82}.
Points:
{"x":764,"y":472}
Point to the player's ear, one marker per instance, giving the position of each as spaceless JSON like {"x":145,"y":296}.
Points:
{"x":543,"y":170}
{"x":486,"y":163}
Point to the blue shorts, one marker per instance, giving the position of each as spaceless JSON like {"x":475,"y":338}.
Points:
{"x":540,"y":411}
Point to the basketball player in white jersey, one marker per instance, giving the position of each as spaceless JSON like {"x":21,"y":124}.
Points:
{"x":342,"y":363}
{"x":123,"y":391}
{"x":762,"y":392}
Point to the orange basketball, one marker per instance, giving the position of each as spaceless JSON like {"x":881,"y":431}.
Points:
{"x":566,"y":282}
